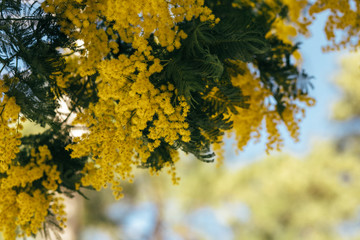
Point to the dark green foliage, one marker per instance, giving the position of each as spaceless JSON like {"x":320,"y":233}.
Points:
{"x":9,"y":7}
{"x":238,"y":36}
{"x":277,"y":71}
{"x":80,"y":93}
{"x":30,"y":59}
{"x":226,"y":99}
{"x":201,"y":64}
{"x":56,"y":140}
{"x":186,"y":78}
{"x":201,"y":71}
{"x":158,"y":157}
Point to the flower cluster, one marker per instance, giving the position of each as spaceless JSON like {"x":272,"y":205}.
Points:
{"x":9,"y":122}
{"x":343,"y":17}
{"x":248,"y":123}
{"x":129,"y":104}
{"x":116,"y":130}
{"x":28,"y":195}
{"x":171,"y":167}
{"x":131,"y":22}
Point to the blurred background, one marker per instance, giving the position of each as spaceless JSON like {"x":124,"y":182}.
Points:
{"x":309,"y":190}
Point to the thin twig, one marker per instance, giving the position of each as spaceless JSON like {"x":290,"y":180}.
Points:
{"x":21,"y":19}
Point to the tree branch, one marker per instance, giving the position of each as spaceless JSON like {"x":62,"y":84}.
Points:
{"x":21,"y":19}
